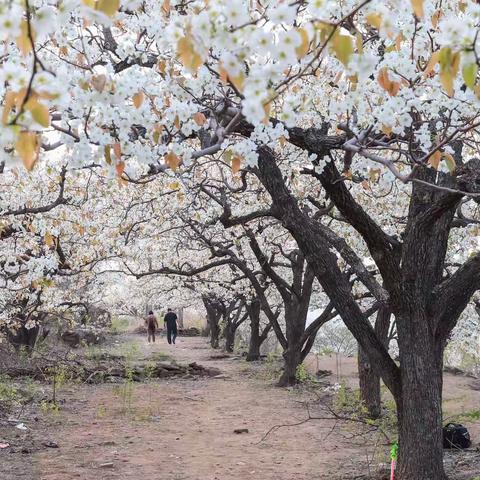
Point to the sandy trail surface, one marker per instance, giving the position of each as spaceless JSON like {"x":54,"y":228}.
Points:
{"x":183,"y":428}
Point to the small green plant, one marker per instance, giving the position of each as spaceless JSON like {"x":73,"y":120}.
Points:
{"x":271,"y":370}
{"x":9,"y":394}
{"x":93,"y":352}
{"x":119,"y":325}
{"x":101,"y":411}
{"x":59,"y":374}
{"x":472,"y":415}
{"x":347,"y":400}
{"x":301,"y":374}
{"x":49,"y":407}
{"x":160,"y":356}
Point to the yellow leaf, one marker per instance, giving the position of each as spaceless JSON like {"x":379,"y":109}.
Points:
{"x":162,"y":66}
{"x":236,"y":163}
{"x":227,"y":155}
{"x":469,"y":73}
{"x":343,"y":47}
{"x":187,"y":54}
{"x":138,"y":99}
{"x":108,"y":7}
{"x":450,"y":161}
{"x":174,"y":185}
{"x":49,"y":239}
{"x":9,"y":102}
{"x":359,"y":42}
{"x":23,"y":41}
{"x":303,"y":48}
{"x":176,"y":122}
{"x":386,"y":130}
{"x":238,"y":81}
{"x":98,"y":82}
{"x":108,"y":157}
{"x":417,"y":6}
{"x":172,"y":160}
{"x":449,"y":64}
{"x":40,"y":114}
{"x":374,"y":174}
{"x":434,"y":159}
{"x":374,"y":19}
{"x":27,"y":147}
{"x":266,"y":109}
{"x":436,"y":17}
{"x":223,"y":74}
{"x":199,"y":118}
{"x":431,"y":63}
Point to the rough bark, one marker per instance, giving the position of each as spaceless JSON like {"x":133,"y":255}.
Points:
{"x":291,"y":360}
{"x":420,"y":410}
{"x":214,"y":313}
{"x":324,"y":263}
{"x":24,"y":337}
{"x":369,"y":379}
{"x":257,"y":337}
{"x":229,"y":333}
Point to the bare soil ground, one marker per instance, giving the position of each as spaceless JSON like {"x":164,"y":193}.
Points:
{"x":183,"y":428}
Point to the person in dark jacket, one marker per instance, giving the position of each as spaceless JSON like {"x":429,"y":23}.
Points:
{"x":170,"y":322}
{"x":152,"y":325}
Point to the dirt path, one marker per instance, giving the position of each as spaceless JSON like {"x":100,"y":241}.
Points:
{"x":183,"y":429}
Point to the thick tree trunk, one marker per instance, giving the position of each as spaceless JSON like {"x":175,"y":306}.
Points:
{"x":419,"y":403}
{"x":254,"y":348}
{"x":230,"y":332}
{"x":213,"y":319}
{"x":369,"y":379}
{"x":24,"y":338}
{"x":255,"y":341}
{"x":180,"y":317}
{"x":214,"y":335}
{"x":420,"y":417}
{"x":292,"y":359}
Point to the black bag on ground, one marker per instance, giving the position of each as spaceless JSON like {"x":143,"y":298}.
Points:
{"x":455,"y":436}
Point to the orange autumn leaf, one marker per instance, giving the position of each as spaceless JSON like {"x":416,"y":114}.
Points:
{"x":172,"y":160}
{"x":236,"y":164}
{"x":120,"y":168}
{"x":138,"y":99}
{"x":199,"y":118}
{"x":389,"y":85}
{"x":117,"y":150}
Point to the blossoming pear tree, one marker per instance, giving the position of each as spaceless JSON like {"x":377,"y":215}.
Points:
{"x":356,"y":95}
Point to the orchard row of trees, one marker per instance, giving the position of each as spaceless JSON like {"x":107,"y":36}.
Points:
{"x":252,"y":156}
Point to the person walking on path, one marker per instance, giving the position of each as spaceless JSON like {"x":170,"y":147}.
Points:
{"x":152,"y":326}
{"x":170,"y":322}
